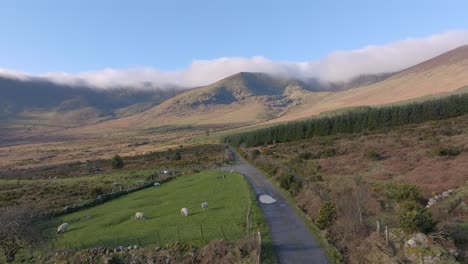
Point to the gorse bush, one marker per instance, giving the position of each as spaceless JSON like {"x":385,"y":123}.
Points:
{"x":177,"y":156}
{"x":117,"y":162}
{"x":255,"y":153}
{"x":305,"y":155}
{"x":404,"y":192}
{"x":413,"y":217}
{"x":327,"y":215}
{"x":97,"y":191}
{"x":290,"y":183}
{"x":356,"y":121}
{"x":449,"y":151}
{"x":374,"y":155}
{"x":286,"y":181}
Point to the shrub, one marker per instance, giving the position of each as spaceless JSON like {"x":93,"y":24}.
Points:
{"x":177,"y":156}
{"x":374,"y":155}
{"x":324,"y":153}
{"x":228,"y":155}
{"x":328,"y":152}
{"x":286,"y":181}
{"x":117,"y":162}
{"x":449,"y":151}
{"x":327,"y":215}
{"x":305,"y":155}
{"x":296,"y":187}
{"x":413,"y":217}
{"x":255,"y":153}
{"x":404,"y":192}
{"x":97,"y":191}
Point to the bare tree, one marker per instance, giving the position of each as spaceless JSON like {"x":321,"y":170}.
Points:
{"x":352,"y":205}
{"x":18,"y":229}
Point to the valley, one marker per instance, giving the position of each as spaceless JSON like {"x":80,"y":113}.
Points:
{"x":344,"y":160}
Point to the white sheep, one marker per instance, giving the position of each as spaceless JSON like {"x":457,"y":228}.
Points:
{"x":184,"y":211}
{"x":62,"y":228}
{"x":139,"y":216}
{"x":204,"y":205}
{"x":157,"y":184}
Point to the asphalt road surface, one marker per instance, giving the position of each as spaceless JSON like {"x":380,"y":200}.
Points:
{"x":291,"y":238}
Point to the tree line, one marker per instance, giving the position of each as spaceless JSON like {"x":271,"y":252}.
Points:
{"x":363,"y":119}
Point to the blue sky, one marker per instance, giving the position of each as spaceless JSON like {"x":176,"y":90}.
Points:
{"x":164,"y":37}
{"x":74,"y":36}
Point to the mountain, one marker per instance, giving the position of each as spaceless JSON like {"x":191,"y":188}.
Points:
{"x":41,"y":100}
{"x":242,"y":99}
{"x":238,"y":100}
{"x":250,"y":98}
{"x":441,"y":75}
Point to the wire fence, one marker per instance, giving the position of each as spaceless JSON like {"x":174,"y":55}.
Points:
{"x":196,"y":234}
{"x":190,"y":234}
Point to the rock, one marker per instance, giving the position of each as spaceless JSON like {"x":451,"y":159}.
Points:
{"x":135,"y":247}
{"x":430,"y":259}
{"x":445,"y":194}
{"x":107,"y":260}
{"x":411,"y":242}
{"x":463,"y":205}
{"x":421,"y":239}
{"x":157,"y":248}
{"x":453,"y":252}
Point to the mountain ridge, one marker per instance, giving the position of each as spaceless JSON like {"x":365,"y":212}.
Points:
{"x":245,"y":98}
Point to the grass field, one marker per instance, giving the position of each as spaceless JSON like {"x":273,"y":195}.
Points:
{"x":111,"y":223}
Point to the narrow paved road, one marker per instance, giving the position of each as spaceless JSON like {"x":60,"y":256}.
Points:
{"x":292,"y":240}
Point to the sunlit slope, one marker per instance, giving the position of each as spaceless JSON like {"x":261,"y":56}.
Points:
{"x":442,"y":74}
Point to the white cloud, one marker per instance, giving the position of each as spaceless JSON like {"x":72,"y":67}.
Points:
{"x":337,"y":66}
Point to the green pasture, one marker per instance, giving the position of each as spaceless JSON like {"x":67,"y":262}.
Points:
{"x":112,"y":223}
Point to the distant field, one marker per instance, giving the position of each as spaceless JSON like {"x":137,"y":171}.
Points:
{"x":112,"y":224}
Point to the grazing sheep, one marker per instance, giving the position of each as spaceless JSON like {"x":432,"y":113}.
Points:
{"x":157,"y":184}
{"x":184,"y":211}
{"x":139,"y":216}
{"x":204,"y":205}
{"x":62,"y":228}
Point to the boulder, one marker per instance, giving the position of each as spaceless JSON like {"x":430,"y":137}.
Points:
{"x":421,"y":239}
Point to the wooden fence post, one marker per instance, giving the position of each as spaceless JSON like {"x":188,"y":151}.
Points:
{"x":139,"y":243}
{"x":222,"y":231}
{"x":259,"y":246}
{"x":378,"y":226}
{"x":178,"y":234}
{"x":386,"y":235}
{"x":201,"y":231}
{"x":249,"y":206}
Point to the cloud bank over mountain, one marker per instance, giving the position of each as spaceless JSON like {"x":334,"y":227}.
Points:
{"x":336,"y":66}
